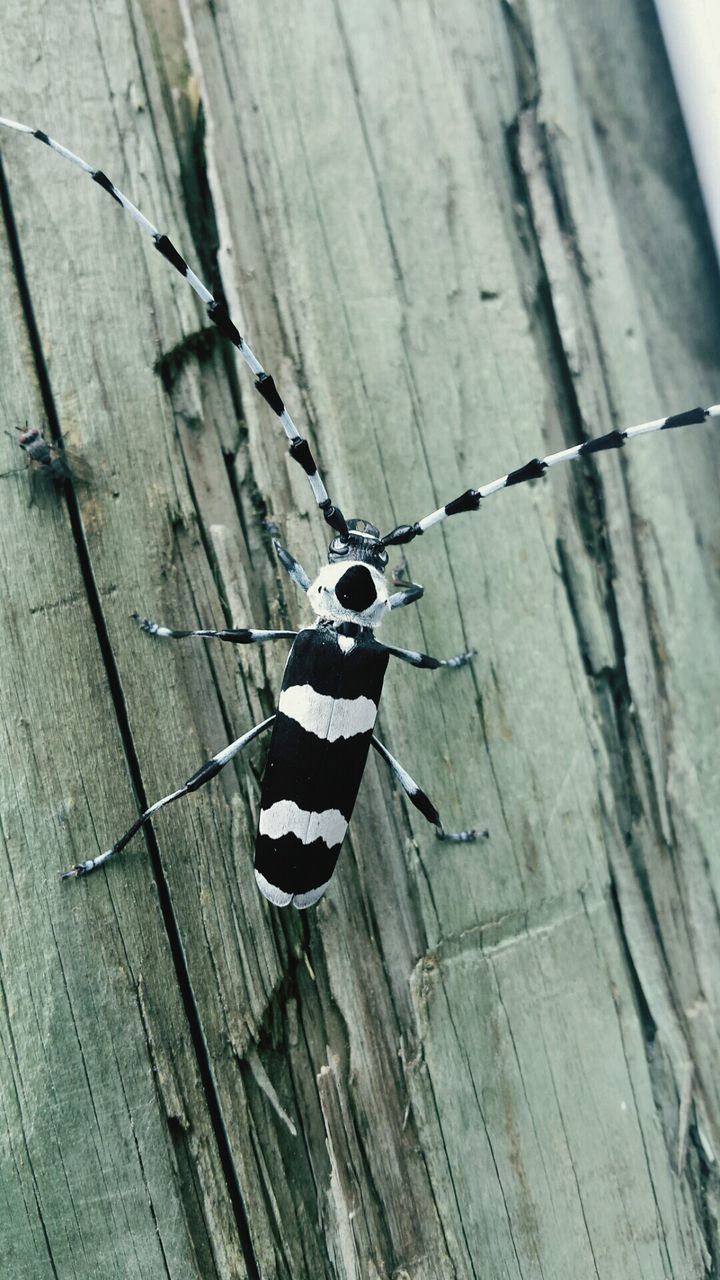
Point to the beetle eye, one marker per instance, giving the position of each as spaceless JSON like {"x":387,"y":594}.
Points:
{"x":339,"y":547}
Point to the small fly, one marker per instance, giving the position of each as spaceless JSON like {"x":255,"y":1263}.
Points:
{"x":50,"y":463}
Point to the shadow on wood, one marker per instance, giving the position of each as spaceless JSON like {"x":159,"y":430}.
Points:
{"x":459,"y":236}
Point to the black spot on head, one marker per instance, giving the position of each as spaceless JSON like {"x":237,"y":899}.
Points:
{"x":356,"y":589}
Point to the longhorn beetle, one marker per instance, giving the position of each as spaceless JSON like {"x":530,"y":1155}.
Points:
{"x":322,"y":729}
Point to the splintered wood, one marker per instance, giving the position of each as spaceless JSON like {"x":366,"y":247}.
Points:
{"x":461,"y":236}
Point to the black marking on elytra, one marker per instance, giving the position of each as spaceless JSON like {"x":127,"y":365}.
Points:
{"x":311,"y":771}
{"x":294,"y":867}
{"x":220,"y":317}
{"x":356,"y":589}
{"x":532,"y":470}
{"x":613,"y":440}
{"x":317,"y":659}
{"x":166,"y":247}
{"x":685,"y":419}
{"x":468,"y":501}
{"x":300,"y":450}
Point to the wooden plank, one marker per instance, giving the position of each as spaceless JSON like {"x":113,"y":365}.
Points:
{"x":458,"y":236}
{"x":108,"y":1162}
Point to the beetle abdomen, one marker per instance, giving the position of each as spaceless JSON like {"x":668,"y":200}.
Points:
{"x":321,"y":738}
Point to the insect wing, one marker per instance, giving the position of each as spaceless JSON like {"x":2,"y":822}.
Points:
{"x":75,"y":465}
{"x":321,"y":738}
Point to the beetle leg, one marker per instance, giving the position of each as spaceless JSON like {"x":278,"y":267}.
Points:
{"x":206,"y":771}
{"x":291,"y":565}
{"x":422,"y":802}
{"x":417,"y":659}
{"x":244,"y":635}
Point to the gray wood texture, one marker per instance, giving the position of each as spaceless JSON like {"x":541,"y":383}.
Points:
{"x":459,"y":235}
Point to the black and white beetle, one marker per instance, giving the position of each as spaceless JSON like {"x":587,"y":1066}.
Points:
{"x":323,"y":725}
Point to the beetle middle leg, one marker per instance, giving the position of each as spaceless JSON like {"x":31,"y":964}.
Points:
{"x":243,"y":635}
{"x":417,"y":659}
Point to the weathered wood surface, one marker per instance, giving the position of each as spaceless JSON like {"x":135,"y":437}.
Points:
{"x":458,"y":235}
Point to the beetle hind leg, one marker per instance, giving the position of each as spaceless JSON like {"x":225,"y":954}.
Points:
{"x":421,"y":801}
{"x":202,"y":775}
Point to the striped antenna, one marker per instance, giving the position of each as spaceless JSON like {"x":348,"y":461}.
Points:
{"x":471,"y":499}
{"x":218,"y":313}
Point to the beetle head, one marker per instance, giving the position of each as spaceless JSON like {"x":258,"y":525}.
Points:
{"x":352,"y":587}
{"x":362,"y":543}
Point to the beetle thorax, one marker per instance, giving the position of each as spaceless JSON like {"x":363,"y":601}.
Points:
{"x":351,"y":592}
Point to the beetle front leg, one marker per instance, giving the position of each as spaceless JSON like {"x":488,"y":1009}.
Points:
{"x":291,"y":566}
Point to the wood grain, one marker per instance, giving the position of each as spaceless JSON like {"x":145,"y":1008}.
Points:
{"x":459,"y":236}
